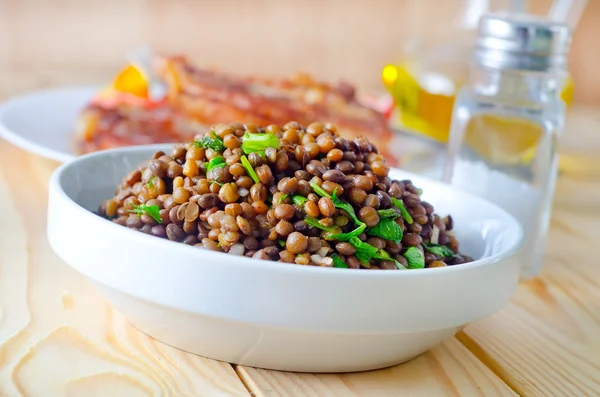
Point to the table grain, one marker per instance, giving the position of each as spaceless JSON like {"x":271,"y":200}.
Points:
{"x":59,"y":338}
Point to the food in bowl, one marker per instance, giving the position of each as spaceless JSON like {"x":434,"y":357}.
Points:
{"x":292,"y":194}
{"x":272,"y":315}
{"x":124,"y":114}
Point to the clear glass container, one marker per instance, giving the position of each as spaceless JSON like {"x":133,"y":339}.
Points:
{"x":503,"y":148}
{"x":505,"y":127}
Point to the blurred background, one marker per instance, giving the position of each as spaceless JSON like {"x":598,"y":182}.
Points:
{"x":55,"y":42}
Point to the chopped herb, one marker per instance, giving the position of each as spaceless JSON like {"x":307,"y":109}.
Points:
{"x":281,"y":243}
{"x":387,"y":229}
{"x":388,"y":213}
{"x":257,"y":143}
{"x":347,"y":236}
{"x":338,"y":262}
{"x":216,"y":162}
{"x":319,"y":190}
{"x":219,"y":244}
{"x":364,"y":251}
{"x":315,"y":223}
{"x":415,"y":258}
{"x":152,"y":210}
{"x":218,"y":183}
{"x":249,"y":169}
{"x":439,"y":250}
{"x":400,"y":205}
{"x":215,"y":143}
{"x":381,"y":254}
{"x":420,"y":191}
{"x":150,"y":183}
{"x":336,"y":201}
{"x":299,"y":200}
{"x":283,"y":197}
{"x":346,"y":207}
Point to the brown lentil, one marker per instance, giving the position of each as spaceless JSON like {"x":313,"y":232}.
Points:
{"x":326,"y":206}
{"x":345,"y":248}
{"x":285,"y":212}
{"x":296,"y":243}
{"x":369,"y":216}
{"x":311,"y":209}
{"x":284,"y":228}
{"x":225,"y":210}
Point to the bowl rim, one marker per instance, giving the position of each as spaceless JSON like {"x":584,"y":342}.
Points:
{"x":55,"y":186}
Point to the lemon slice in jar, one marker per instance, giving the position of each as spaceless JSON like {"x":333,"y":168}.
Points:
{"x":503,"y":140}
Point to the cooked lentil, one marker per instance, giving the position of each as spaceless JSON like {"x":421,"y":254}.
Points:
{"x":308,"y":194}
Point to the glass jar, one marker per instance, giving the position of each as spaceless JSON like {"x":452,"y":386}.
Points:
{"x":507,"y":120}
{"x":425,"y":80}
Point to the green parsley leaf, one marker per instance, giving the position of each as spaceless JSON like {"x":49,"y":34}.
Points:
{"x":338,"y":262}
{"x":420,"y":191}
{"x":388,"y":213}
{"x":319,"y":190}
{"x":215,"y":143}
{"x":364,"y":251}
{"x":315,"y":223}
{"x":216,"y":162}
{"x":152,"y":210}
{"x":440,"y":250}
{"x":349,"y":235}
{"x":346,"y":207}
{"x":381,"y":254}
{"x":283,"y":197}
{"x":150,"y":183}
{"x":257,"y":143}
{"x":400,"y":205}
{"x":387,"y":229}
{"x":218,"y":183}
{"x":249,"y":169}
{"x":281,"y":243}
{"x":336,"y":201}
{"x":299,"y":200}
{"x":415,"y":258}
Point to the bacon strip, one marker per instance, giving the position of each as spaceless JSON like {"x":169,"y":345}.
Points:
{"x":199,"y":98}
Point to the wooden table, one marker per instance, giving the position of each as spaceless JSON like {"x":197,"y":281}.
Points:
{"x":59,"y":338}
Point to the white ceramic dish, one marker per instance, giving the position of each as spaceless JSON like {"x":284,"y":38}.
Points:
{"x":274,"y":315}
{"x":43,"y":122}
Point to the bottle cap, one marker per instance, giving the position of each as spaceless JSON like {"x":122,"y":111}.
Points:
{"x":522,"y":42}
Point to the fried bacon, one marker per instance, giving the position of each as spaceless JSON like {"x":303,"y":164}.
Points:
{"x":198,"y":98}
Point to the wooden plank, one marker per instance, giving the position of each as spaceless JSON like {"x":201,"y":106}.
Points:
{"x":547,"y":340}
{"x":57,"y":336}
{"x":448,"y":370}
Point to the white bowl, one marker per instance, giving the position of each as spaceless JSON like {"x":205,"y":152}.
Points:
{"x":273,"y":315}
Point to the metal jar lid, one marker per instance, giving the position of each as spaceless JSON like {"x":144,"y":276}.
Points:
{"x":522,"y":42}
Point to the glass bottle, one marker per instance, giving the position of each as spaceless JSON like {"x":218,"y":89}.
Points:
{"x":507,"y":120}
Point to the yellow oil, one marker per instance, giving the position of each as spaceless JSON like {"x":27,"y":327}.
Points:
{"x":426,"y":99}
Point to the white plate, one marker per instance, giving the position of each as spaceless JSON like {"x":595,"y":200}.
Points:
{"x":43,"y":122}
{"x":273,"y":315}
